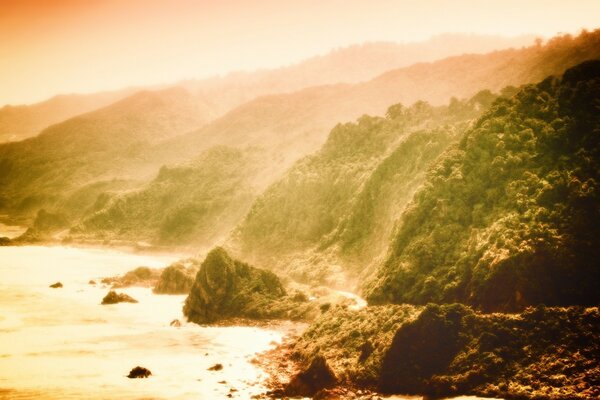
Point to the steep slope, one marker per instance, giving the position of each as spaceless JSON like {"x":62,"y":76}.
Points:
{"x":196,"y":203}
{"x":509,"y":217}
{"x":22,"y":121}
{"x":334,"y":206}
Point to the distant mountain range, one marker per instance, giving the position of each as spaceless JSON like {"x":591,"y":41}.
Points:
{"x":351,"y":64}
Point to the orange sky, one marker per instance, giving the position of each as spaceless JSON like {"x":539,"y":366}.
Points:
{"x":60,"y":46}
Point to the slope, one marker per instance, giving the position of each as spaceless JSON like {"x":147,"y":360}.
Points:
{"x":509,"y":217}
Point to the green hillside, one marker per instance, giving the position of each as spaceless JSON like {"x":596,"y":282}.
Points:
{"x":338,"y":204}
{"x":193,"y":203}
{"x":509,"y":217}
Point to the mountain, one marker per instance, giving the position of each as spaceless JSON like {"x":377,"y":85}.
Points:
{"x":298,"y":123}
{"x":39,"y":171}
{"x":509,"y":216}
{"x":19,"y":122}
{"x":349,"y":64}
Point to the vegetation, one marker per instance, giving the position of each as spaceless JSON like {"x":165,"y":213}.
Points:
{"x":338,"y":206}
{"x":178,"y":277}
{"x":194,"y":203}
{"x":228,"y":288}
{"x":354,"y":342}
{"x":141,"y":276}
{"x":543,"y":353}
{"x":449,"y":350}
{"x":509,"y":216}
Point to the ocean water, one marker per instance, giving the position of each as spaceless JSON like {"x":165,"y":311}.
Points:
{"x":61,"y":343}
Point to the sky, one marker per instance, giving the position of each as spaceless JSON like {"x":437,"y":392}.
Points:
{"x":48,"y":47}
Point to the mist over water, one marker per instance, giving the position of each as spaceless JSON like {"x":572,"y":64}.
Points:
{"x":61,"y":343}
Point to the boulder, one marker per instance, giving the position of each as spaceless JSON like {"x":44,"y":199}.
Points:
{"x":56,"y":285}
{"x":139,"y":372}
{"x":113,"y":298}
{"x":316,"y":377}
{"x":216,"y":367}
{"x":177,"y":278}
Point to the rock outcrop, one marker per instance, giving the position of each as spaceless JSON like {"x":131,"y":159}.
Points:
{"x":113,"y":298}
{"x":177,"y":278}
{"x":225,"y":287}
{"x":141,"y":276}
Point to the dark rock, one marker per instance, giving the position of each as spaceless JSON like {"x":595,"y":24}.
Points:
{"x":176,"y":323}
{"x":92,"y":282}
{"x":365,"y":351}
{"x":139,"y":372}
{"x":113,"y":298}
{"x":316,"y":377}
{"x":4,"y":241}
{"x":216,"y":367}
{"x":56,"y":285}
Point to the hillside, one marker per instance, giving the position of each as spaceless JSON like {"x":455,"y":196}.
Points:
{"x":333,"y":211}
{"x":296,"y":124}
{"x":196,"y":203}
{"x":509,"y":216}
{"x":350,"y":64}
{"x":41,"y":171}
{"x":18,"y":122}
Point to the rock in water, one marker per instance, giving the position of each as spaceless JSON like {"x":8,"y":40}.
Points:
{"x":56,"y":285}
{"x":177,"y":278}
{"x":176,"y":323}
{"x":139,"y":372}
{"x":316,"y":377}
{"x":113,"y":298}
{"x":216,"y":367}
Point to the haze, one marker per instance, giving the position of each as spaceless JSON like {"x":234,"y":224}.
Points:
{"x":61,"y":46}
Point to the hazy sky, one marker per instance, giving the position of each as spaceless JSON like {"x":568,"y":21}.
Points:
{"x":60,"y":46}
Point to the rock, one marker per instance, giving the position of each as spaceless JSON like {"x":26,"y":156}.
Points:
{"x":316,"y":377}
{"x":56,"y":285}
{"x":366,"y":349}
{"x":225,"y":287}
{"x":216,"y":367}
{"x":176,"y":323}
{"x":4,"y":241}
{"x":113,"y":298}
{"x":139,"y":372}
{"x":140,"y":276}
{"x":177,"y":278}
{"x":92,"y":282}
